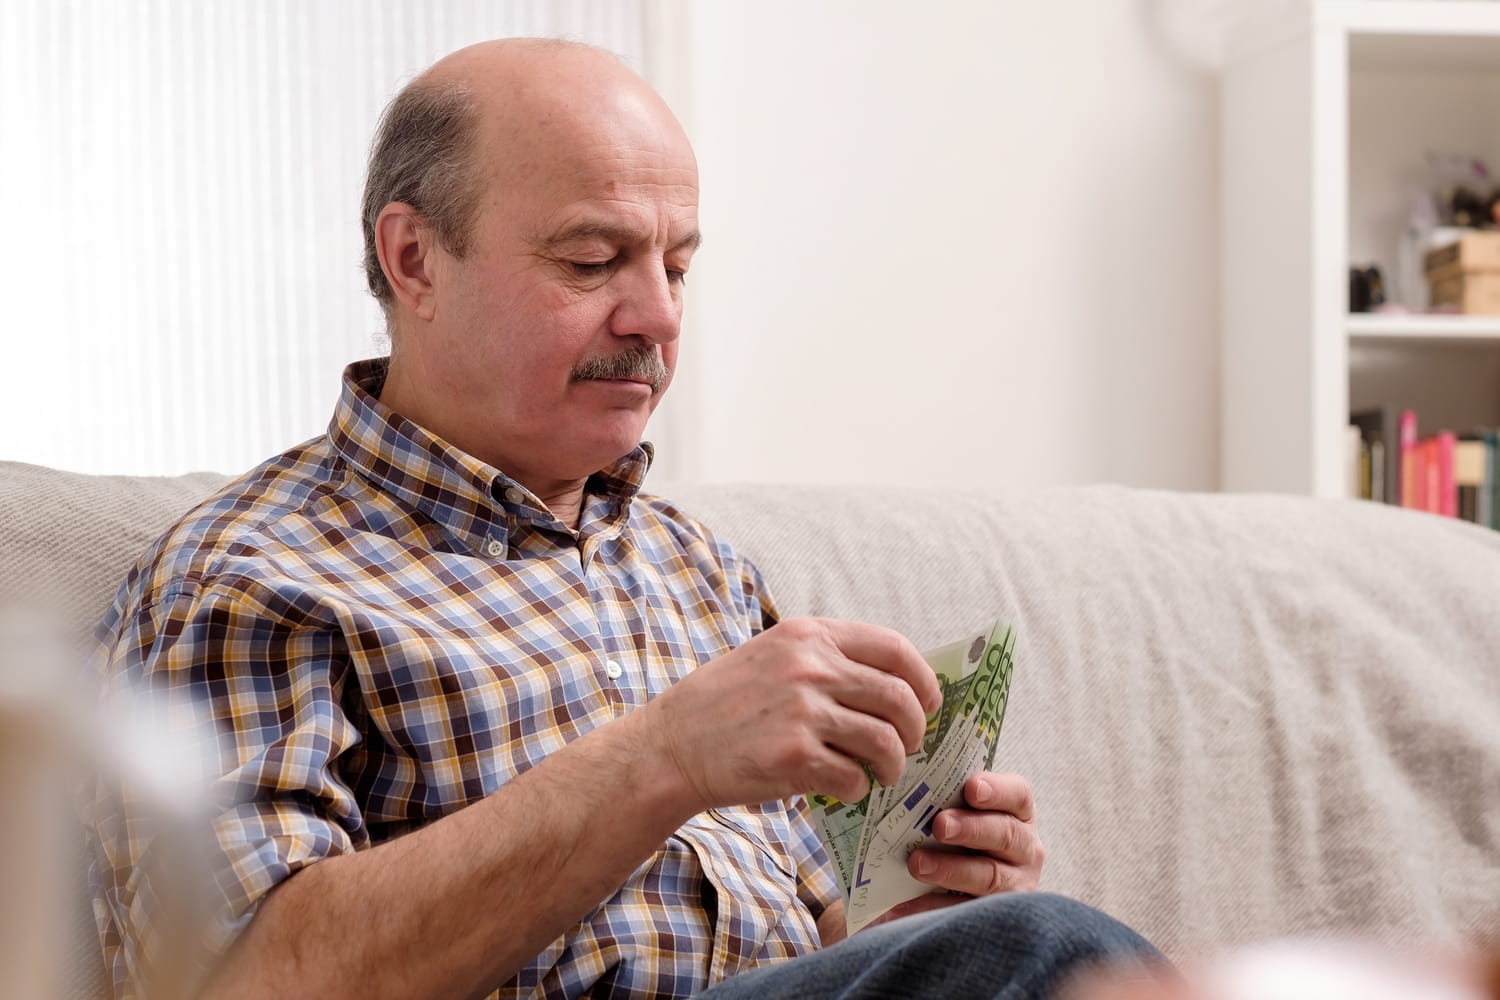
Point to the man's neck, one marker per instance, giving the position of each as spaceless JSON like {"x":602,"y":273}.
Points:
{"x":564,"y":498}
{"x":565,"y":501}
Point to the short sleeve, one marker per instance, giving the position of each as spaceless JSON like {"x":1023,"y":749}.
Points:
{"x":246,"y":679}
{"x":759,"y":603}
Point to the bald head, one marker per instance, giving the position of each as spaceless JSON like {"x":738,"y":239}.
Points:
{"x":495,"y":112}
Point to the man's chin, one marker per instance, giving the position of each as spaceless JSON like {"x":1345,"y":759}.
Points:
{"x":606,"y":450}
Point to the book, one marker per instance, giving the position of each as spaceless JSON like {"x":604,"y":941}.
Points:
{"x":1471,"y":478}
{"x":1406,"y":434}
{"x":1380,"y":429}
{"x":1379,"y":489}
{"x":1426,"y":497}
{"x":1446,"y":500}
{"x":1356,"y":465}
{"x":1490,"y":512}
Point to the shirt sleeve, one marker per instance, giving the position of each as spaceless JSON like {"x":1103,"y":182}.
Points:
{"x":817,"y":884}
{"x":246,"y":680}
{"x":759,"y":603}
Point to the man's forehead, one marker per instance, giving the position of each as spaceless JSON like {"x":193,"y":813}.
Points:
{"x":620,"y":233}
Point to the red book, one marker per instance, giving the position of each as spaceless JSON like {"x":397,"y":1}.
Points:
{"x":1432,"y":497}
{"x":1444,"y":443}
{"x":1407,"y":428}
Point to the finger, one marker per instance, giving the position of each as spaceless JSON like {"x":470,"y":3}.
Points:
{"x":1008,"y":793}
{"x":965,"y":872}
{"x":840,"y":776}
{"x":888,"y":650}
{"x":884,"y":696}
{"x":862,"y":737}
{"x":921,"y":904}
{"x":1000,"y":835}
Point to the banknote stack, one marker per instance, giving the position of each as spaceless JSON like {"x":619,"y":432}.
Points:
{"x":870,"y":840}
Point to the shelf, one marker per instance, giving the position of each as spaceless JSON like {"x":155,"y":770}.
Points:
{"x":1427,"y":329}
{"x":1471,"y":18}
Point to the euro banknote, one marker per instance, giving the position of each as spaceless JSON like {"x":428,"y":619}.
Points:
{"x":870,"y":840}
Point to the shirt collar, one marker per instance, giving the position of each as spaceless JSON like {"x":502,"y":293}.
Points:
{"x":469,"y":497}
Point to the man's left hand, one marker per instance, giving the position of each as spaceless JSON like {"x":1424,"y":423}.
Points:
{"x":991,"y":846}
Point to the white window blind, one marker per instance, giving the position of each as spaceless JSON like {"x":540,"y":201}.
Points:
{"x":182,"y":182}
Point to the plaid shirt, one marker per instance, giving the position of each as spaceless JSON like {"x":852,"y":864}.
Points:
{"x":384,"y":629}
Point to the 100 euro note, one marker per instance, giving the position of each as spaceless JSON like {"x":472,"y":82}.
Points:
{"x":870,"y":840}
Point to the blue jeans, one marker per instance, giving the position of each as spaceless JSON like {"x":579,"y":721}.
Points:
{"x":1017,"y":946}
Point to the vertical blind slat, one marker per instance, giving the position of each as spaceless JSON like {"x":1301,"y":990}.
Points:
{"x":193,"y":278}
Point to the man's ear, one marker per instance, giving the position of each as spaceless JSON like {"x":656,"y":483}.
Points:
{"x":405,"y":245}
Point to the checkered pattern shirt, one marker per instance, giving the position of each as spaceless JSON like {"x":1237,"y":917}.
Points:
{"x":384,"y":629}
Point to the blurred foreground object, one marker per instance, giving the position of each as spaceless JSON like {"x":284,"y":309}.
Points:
{"x":56,"y":749}
{"x":1303,"y":969}
{"x":37,"y":767}
{"x":1342,"y":970}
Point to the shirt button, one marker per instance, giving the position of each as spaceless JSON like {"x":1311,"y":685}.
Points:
{"x":495,"y":547}
{"x":613,"y":669}
{"x":514,"y":495}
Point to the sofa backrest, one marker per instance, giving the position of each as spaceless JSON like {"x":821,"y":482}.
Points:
{"x":1243,"y":716}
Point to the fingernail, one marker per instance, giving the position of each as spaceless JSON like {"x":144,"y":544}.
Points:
{"x":924,"y":864}
{"x":946,"y":827}
{"x":982,"y":792}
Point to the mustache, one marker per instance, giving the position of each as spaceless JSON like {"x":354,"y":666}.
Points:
{"x":635,"y":363}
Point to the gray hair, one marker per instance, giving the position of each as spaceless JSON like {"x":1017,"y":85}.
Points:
{"x":423,"y":155}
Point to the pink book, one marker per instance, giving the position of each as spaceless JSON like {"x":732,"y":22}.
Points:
{"x":1445,"y":443}
{"x":1422,"y":475}
{"x":1431,"y":499}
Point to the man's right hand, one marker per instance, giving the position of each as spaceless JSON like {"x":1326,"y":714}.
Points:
{"x":799,"y":708}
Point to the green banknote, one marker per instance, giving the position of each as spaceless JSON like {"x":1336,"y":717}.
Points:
{"x":869,"y":841}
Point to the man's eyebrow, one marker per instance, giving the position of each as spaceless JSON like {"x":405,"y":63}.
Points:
{"x":618,"y":235}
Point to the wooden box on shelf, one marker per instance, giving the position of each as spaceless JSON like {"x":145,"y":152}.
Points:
{"x":1472,"y":292}
{"x":1475,"y":251}
{"x":1465,"y":274}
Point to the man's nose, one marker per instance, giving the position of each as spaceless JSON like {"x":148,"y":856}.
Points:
{"x":650,"y":304}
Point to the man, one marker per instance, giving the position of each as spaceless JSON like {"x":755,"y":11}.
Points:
{"x":490,"y":719}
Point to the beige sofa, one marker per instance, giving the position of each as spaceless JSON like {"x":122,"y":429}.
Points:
{"x":1243,"y":716}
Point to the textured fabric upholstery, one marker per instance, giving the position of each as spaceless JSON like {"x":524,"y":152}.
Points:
{"x":1243,"y":716}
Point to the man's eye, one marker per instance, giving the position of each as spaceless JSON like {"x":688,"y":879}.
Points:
{"x":590,"y":268}
{"x":676,"y":277}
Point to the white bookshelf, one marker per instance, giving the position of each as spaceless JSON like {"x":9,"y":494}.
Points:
{"x":1326,"y":118}
{"x":1418,"y":330}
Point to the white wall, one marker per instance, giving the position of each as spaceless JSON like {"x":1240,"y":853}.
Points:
{"x":968,"y":243}
{"x":958,"y":242}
